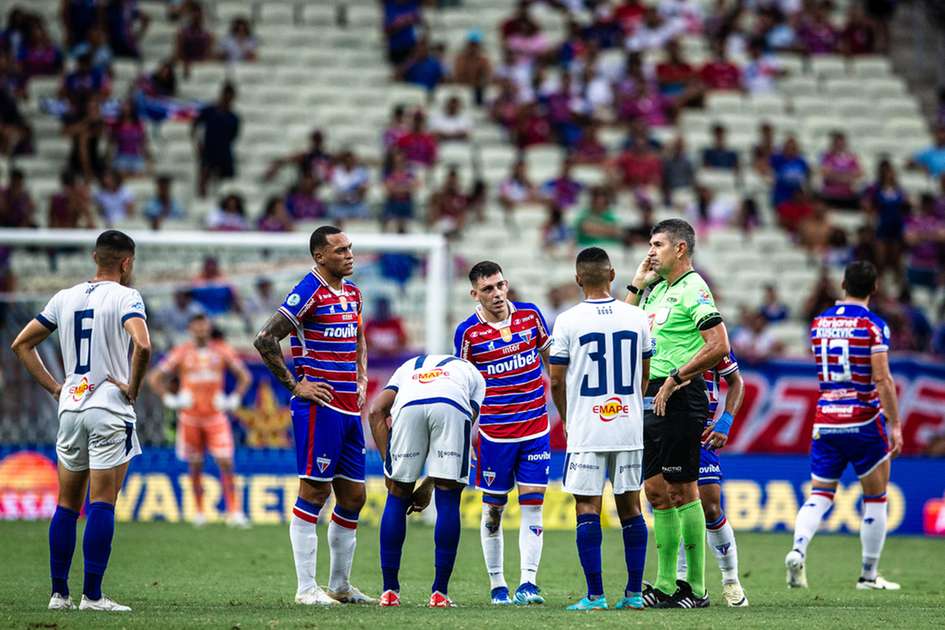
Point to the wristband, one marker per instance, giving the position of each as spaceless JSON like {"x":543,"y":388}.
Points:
{"x":723,"y":424}
{"x":632,"y":289}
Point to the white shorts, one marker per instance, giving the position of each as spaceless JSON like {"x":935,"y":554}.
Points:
{"x":586,"y":472}
{"x":96,"y":439}
{"x":434,"y":434}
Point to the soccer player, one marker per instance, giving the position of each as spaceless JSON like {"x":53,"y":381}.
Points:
{"x":600,"y":363}
{"x":432,"y":402}
{"x":718,"y":530}
{"x":322,"y":314}
{"x":689,"y":339}
{"x":201,"y":366}
{"x":857,"y":422}
{"x":97,"y":321}
{"x":508,"y":341}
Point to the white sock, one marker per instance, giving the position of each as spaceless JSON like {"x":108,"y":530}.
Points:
{"x":873,"y":534}
{"x":492,"y":545}
{"x":530,"y":539}
{"x":342,"y":539}
{"x":722,"y":541}
{"x":809,"y":517}
{"x":681,"y":561}
{"x":304,"y":537}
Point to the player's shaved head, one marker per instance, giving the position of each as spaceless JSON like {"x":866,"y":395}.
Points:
{"x":594,"y":269}
{"x":859,"y":279}
{"x":112,"y":247}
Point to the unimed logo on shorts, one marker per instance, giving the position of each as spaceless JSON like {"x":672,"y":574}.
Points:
{"x":612,"y":408}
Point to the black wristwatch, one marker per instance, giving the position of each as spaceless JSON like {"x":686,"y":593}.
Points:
{"x":632,"y":289}
{"x":674,"y":374}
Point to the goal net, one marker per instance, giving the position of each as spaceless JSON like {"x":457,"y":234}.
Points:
{"x":238,"y":278}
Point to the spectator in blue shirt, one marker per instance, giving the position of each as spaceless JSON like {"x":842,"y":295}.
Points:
{"x":401,"y":18}
{"x":772,"y":308}
{"x":932,"y":160}
{"x":424,"y":67}
{"x":719,"y":155}
{"x":791,"y":172}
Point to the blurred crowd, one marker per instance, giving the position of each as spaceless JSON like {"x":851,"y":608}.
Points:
{"x":572,"y":91}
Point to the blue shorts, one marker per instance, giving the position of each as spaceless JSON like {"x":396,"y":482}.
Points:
{"x":500,"y":465}
{"x":710,"y":471}
{"x":831,"y":449}
{"x":328,"y":443}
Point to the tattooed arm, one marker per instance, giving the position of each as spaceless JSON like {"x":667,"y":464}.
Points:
{"x":267,"y":344}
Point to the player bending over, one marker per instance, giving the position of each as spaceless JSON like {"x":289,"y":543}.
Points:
{"x":201,"y":366}
{"x":599,"y":369}
{"x":508,"y":341}
{"x":719,"y":531}
{"x":97,"y":320}
{"x":322,"y":315}
{"x":857,"y":398}
{"x":431,"y":402}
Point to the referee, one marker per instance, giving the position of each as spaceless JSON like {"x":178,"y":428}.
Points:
{"x":689,"y":338}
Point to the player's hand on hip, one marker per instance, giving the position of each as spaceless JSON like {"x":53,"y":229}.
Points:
{"x":317,"y":392}
{"x":124,"y":389}
{"x":666,"y":390}
{"x":895,"y":440}
{"x":713,"y":439}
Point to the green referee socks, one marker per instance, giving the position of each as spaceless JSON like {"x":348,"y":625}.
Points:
{"x":692,"y":523}
{"x":666,"y":532}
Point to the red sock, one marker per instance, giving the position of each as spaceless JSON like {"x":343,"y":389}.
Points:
{"x":229,"y":492}
{"x":196,"y":481}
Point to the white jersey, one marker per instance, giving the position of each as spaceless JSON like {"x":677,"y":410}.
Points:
{"x":603,"y":343}
{"x":95,"y":346}
{"x":437,"y":378}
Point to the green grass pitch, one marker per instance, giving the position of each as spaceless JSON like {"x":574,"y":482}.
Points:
{"x":175,"y":576}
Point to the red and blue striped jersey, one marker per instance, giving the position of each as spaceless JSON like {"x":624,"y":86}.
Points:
{"x":325,"y":341}
{"x":843,"y":338}
{"x":713,"y":379}
{"x":508,"y":355}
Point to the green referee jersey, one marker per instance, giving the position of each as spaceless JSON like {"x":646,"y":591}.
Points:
{"x":677,"y":313}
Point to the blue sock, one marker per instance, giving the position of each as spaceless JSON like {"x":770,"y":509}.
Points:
{"x":61,"y":547}
{"x":393,"y":532}
{"x":97,"y":545}
{"x":634,"y":550}
{"x":446,"y":536}
{"x":589,"y":539}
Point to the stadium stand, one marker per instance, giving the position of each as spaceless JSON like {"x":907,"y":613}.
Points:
{"x":324,"y":66}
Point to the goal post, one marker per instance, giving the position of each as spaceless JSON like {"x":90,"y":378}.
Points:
{"x":432,"y":246}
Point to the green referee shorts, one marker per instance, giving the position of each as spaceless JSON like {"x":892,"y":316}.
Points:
{"x":671,"y":442}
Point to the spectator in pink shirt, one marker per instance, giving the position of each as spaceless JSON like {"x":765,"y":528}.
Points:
{"x":302,"y":202}
{"x":816,"y":34}
{"x":646,"y":102}
{"x":400,"y":184}
{"x":925,"y":239}
{"x":639,"y":166}
{"x":275,"y":217}
{"x":38,"y":55}
{"x":720,"y":73}
{"x":129,"y":142}
{"x":840,"y":173}
{"x":418,"y":145}
{"x":397,"y":128}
